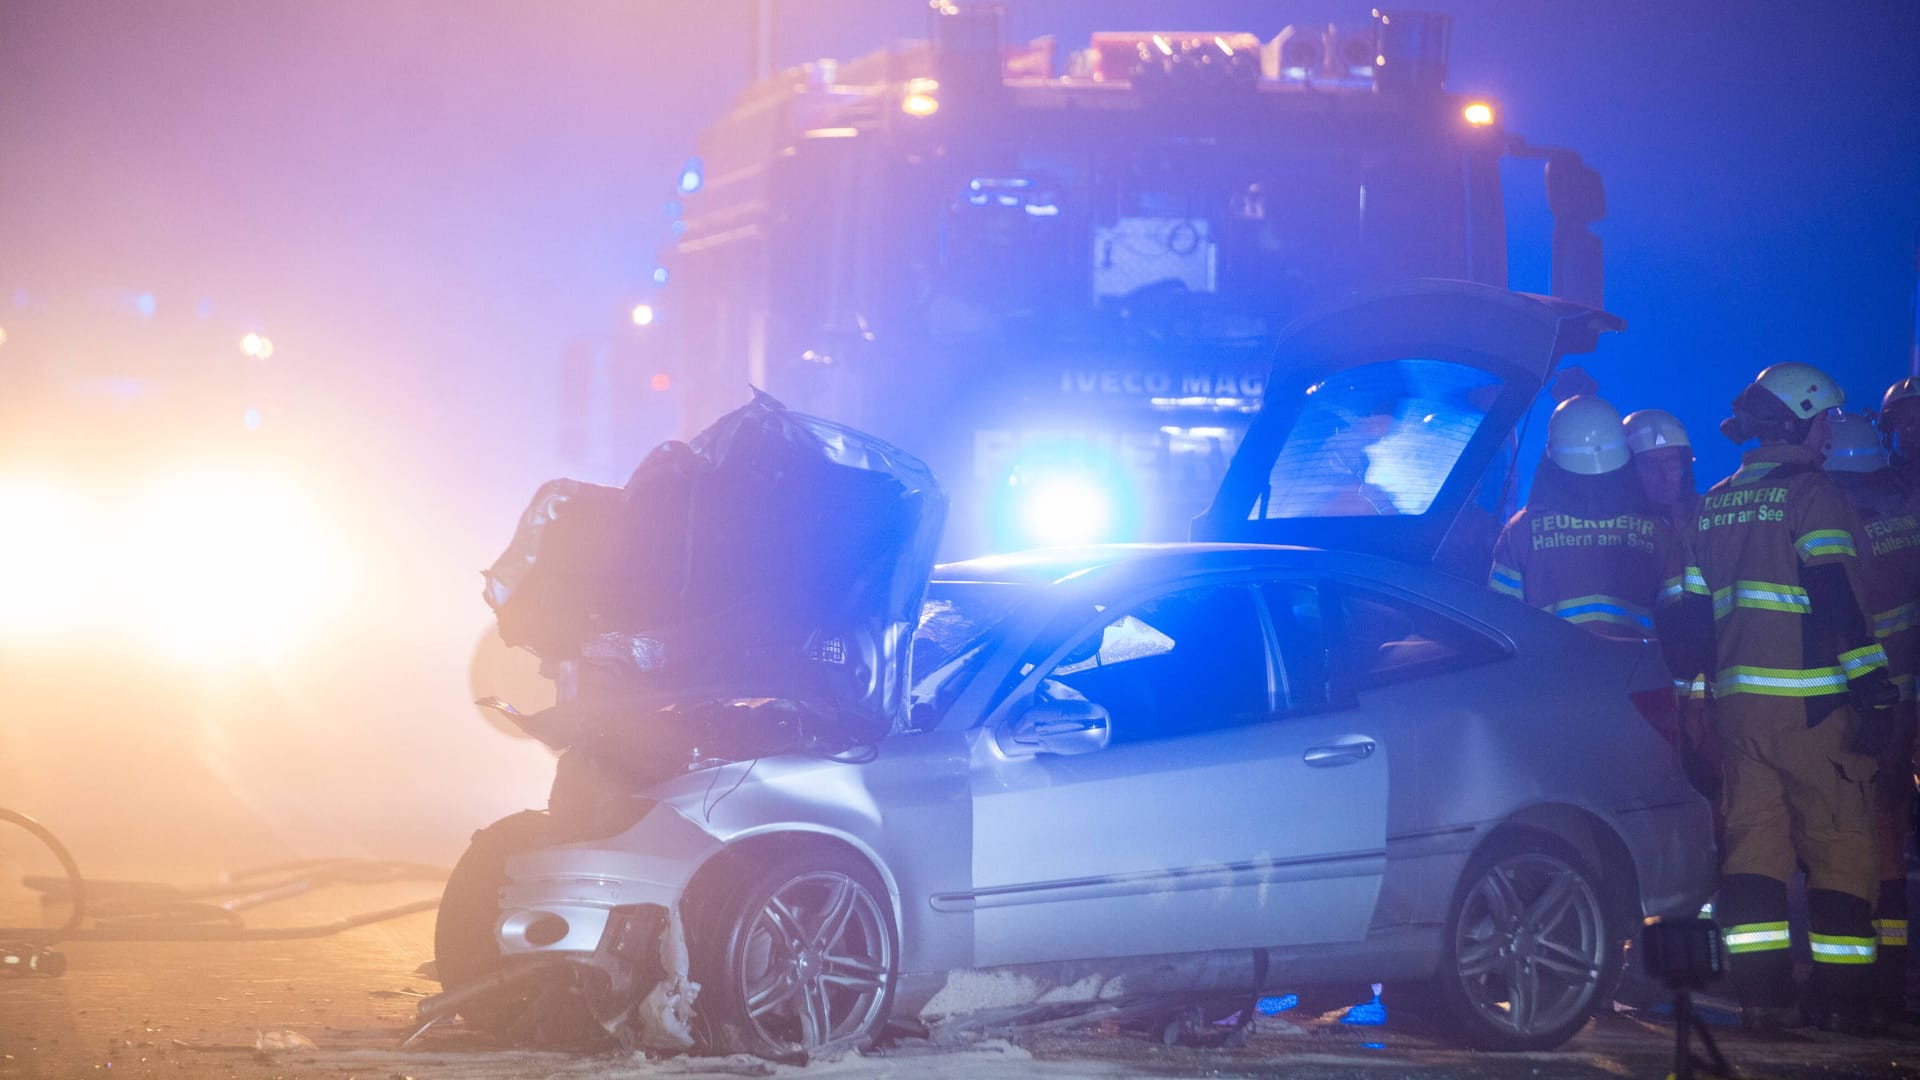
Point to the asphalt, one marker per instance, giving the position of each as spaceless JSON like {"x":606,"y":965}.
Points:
{"x":339,"y":1006}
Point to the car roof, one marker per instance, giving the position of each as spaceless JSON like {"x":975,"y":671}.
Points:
{"x":1040,"y":566}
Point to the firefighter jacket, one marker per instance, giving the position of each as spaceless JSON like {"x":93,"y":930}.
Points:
{"x":1774,"y":545}
{"x":1604,"y":574}
{"x":1889,"y":547}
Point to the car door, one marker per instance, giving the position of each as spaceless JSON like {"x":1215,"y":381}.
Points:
{"x":1233,"y":807}
{"x":1386,"y":425}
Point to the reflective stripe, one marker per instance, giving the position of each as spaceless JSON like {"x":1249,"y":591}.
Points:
{"x":1839,"y":949}
{"x":1825,"y":542}
{"x":1505,"y":579}
{"x":1600,"y":607}
{"x":1857,"y":662}
{"x":1696,"y":581}
{"x":1893,"y":620}
{"x":1891,"y":932}
{"x":1756,"y":937}
{"x":1780,"y":682}
{"x":1672,"y":589}
{"x":1761,"y":596}
{"x":1698,"y":688}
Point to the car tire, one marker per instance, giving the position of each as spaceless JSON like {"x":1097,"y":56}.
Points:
{"x":465,"y":946}
{"x":792,"y":954}
{"x":1528,"y":915}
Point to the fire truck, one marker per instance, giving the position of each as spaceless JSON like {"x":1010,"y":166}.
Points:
{"x":1057,"y":278}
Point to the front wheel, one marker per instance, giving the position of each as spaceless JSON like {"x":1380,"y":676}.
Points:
{"x":793,"y":954}
{"x":1528,"y":953}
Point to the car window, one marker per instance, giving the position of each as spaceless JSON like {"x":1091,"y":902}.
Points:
{"x":1393,"y":640}
{"x":1379,"y":439}
{"x":1299,"y":627}
{"x":1180,"y":663}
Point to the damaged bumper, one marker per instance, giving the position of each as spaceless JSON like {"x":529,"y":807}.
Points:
{"x":591,"y":930}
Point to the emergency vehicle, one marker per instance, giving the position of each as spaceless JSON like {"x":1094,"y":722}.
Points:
{"x":1059,"y":278}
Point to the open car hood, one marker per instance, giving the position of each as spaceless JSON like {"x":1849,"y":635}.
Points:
{"x":776,"y":558}
{"x":1387,"y":421}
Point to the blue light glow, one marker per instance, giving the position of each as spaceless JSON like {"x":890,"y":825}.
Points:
{"x":251,"y":419}
{"x":691,"y":176}
{"x":146,"y":305}
{"x":660,"y":275}
{"x":1064,"y":490}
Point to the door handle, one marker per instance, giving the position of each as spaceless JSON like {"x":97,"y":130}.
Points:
{"x":1345,"y":752}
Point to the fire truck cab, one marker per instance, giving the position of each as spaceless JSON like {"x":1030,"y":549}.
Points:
{"x":1058,"y":279}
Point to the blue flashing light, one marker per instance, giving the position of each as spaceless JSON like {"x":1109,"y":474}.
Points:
{"x":692,"y":175}
{"x":677,"y":228}
{"x":1373,"y":1046}
{"x":146,"y":305}
{"x":1274,"y":1006}
{"x":660,"y":275}
{"x":1064,"y":491}
{"x":252,"y":419}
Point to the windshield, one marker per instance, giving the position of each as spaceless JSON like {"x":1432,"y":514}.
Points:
{"x":1181,"y":239}
{"x":958,"y":615}
{"x":1379,"y":439}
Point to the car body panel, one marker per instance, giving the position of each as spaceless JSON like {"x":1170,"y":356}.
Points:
{"x":1179,"y":843}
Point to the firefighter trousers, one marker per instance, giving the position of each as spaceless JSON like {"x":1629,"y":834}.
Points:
{"x":1893,"y":820}
{"x":1795,"y":794}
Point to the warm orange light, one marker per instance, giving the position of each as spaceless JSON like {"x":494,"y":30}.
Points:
{"x":643,"y":314}
{"x":3,"y":335}
{"x":923,"y":98}
{"x":661,"y":381}
{"x":1479,"y":114}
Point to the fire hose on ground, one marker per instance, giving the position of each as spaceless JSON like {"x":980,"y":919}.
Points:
{"x":157,"y":911}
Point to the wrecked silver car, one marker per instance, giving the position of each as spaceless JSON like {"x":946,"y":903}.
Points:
{"x":1131,"y":773}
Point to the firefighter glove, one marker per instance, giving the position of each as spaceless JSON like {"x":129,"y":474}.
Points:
{"x":1874,"y":700}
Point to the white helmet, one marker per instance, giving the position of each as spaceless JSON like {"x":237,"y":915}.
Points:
{"x":1653,"y":429}
{"x":1853,"y":446}
{"x":1584,"y":437}
{"x":1803,"y":388}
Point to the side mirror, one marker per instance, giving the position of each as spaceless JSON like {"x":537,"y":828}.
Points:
{"x":1059,"y":727}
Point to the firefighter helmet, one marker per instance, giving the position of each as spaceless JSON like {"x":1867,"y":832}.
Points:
{"x":1803,"y":388}
{"x":1584,"y":436}
{"x":1907,"y":389}
{"x":1853,"y":445}
{"x":1654,"y":429}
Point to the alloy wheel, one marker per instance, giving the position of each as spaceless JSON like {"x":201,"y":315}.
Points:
{"x":1529,"y":947}
{"x":815,"y":961}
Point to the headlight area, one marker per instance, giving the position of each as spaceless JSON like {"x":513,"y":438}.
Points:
{"x":208,"y":565}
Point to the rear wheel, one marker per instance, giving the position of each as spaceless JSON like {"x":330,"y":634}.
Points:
{"x":1528,"y":953}
{"x":794,"y":953}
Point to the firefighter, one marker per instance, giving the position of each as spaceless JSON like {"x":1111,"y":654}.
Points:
{"x":1585,"y":547}
{"x":1889,"y":546}
{"x":1663,"y":459}
{"x":1900,"y":433}
{"x":1805,"y":702}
